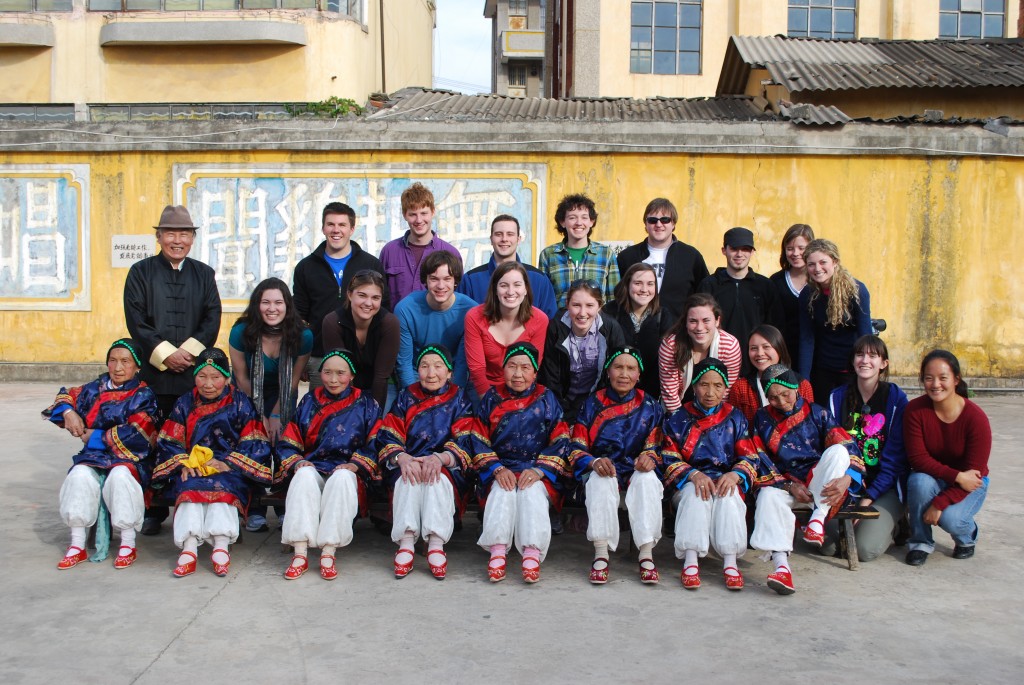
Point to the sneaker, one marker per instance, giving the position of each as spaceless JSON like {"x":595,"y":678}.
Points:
{"x":256,"y":524}
{"x":963,"y":552}
{"x":916,"y":557}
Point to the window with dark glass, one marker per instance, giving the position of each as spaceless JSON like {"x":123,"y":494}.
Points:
{"x":517,"y":75}
{"x":35,"y":5}
{"x":972,"y":18}
{"x":823,"y":19}
{"x":517,"y":7}
{"x":665,"y":37}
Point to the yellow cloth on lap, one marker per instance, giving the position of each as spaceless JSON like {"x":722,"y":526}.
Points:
{"x":197,"y":459}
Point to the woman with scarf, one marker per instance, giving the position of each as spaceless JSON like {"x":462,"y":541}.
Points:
{"x":615,"y":447}
{"x":328,"y":480}
{"x":519,"y":445}
{"x":214,"y":451}
{"x":114,"y":416}
{"x":420,"y":452}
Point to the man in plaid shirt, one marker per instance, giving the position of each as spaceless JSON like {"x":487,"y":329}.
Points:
{"x":577,"y":258}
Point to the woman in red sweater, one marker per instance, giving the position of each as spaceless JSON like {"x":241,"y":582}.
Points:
{"x":948,"y":441}
{"x":507,"y":316}
{"x":765,"y":347}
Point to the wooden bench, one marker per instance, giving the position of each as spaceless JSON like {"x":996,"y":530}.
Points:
{"x":847,"y":518}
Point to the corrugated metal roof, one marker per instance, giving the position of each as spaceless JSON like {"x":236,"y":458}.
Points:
{"x":820,"y":115}
{"x":416,"y":104}
{"x":811,"y":64}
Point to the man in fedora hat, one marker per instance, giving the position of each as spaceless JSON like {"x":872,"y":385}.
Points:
{"x":172,"y":307}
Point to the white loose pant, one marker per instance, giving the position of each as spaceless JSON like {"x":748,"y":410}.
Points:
{"x":643,"y":502}
{"x":774,"y":522}
{"x":80,"y":498}
{"x":320,"y":514}
{"x":204,"y":521}
{"x":423,"y":508}
{"x":517,"y":514}
{"x":720,"y":522}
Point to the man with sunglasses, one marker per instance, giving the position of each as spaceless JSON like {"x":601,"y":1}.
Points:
{"x":322,"y":277}
{"x":680,"y":267}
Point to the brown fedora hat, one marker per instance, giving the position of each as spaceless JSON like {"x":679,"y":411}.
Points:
{"x":175,"y":217}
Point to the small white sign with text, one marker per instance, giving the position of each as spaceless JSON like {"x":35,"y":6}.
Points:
{"x":125,"y":250}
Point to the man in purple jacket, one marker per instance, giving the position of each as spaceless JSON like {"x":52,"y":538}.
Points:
{"x":403,"y":256}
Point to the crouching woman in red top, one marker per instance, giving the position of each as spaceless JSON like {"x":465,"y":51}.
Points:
{"x":215,"y":452}
{"x":948,"y":441}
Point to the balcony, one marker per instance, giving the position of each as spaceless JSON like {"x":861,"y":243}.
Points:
{"x":519,"y":45}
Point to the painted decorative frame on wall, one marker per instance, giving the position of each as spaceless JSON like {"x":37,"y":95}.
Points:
{"x":259,"y":220}
{"x":44,"y":237}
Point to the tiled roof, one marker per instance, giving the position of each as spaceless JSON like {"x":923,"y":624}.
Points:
{"x":416,"y":104}
{"x":820,"y":65}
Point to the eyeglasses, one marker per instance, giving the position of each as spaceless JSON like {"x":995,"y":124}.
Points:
{"x":579,"y":283}
{"x":659,"y":219}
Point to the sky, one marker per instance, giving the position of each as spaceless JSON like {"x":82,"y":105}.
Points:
{"x":462,"y":47}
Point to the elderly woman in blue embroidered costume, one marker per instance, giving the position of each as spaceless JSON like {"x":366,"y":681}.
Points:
{"x":519,"y":442}
{"x":214,"y":451}
{"x":420,"y":450}
{"x":615,"y":446}
{"x":114,"y":417}
{"x":819,"y":465}
{"x":317,"y":449}
{"x":710,"y":461}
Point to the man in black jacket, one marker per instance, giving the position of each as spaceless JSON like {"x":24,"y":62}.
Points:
{"x":322,"y":277}
{"x":680,"y":267}
{"x":172,"y":308}
{"x":747,"y":299}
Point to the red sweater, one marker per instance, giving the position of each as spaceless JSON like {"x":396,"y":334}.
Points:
{"x":943,"y":450}
{"x":484,"y":354}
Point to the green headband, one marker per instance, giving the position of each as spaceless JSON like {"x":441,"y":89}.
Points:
{"x":631,"y":351}
{"x":210,"y":362}
{"x":521,"y":349}
{"x":778,"y":381}
{"x":337,"y":353}
{"x":430,"y":349}
{"x":711,"y":367}
{"x":125,"y":345}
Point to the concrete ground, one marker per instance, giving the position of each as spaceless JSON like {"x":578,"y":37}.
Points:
{"x":946,"y":622}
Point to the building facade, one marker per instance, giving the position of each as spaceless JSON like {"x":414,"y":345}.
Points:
{"x":675,"y":48}
{"x":518,"y":63}
{"x":79,"y":52}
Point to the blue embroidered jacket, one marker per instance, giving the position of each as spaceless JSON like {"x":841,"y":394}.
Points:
{"x":713,"y":444}
{"x":520,"y":431}
{"x":231,"y":428}
{"x":123,"y":420}
{"x":421,"y":422}
{"x":620,"y":428}
{"x":327,"y":430}
{"x":794,"y":442}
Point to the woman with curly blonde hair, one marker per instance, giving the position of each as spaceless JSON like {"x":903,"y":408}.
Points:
{"x":834,"y":312}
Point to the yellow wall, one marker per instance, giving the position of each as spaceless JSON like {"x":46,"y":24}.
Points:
{"x":341,"y":57}
{"x":935,"y":240}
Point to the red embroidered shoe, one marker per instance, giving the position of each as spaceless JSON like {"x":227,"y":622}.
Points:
{"x":812,"y":536}
{"x":649,"y":574}
{"x":70,"y":559}
{"x":733,"y":582}
{"x":293,"y":571}
{"x":599,"y":576}
{"x":328,"y":572}
{"x":691,"y":581}
{"x":439,"y":571}
{"x":186,"y":569}
{"x":781,"y":582}
{"x":125,"y":560}
{"x":531,"y":574}
{"x":496,"y":573}
{"x":403,"y":569}
{"x":221,"y":569}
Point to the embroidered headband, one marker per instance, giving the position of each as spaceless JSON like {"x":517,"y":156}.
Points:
{"x":131,"y":346}
{"x":344,"y":354}
{"x":631,"y":351}
{"x":710,"y":364}
{"x":213,"y":357}
{"x":779,"y":374}
{"x":440,"y":350}
{"x":210,"y":362}
{"x":523,"y":348}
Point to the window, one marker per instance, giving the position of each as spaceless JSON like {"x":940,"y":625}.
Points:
{"x":517,"y":7}
{"x":353,"y":8}
{"x":665,"y":37}
{"x":972,"y":18}
{"x":35,"y":5}
{"x":517,"y":76}
{"x":823,"y":19}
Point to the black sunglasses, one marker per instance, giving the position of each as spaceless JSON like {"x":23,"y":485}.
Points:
{"x":659,"y":219}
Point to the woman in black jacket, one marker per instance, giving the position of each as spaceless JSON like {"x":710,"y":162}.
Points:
{"x":578,"y":342}
{"x":638,"y":312}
